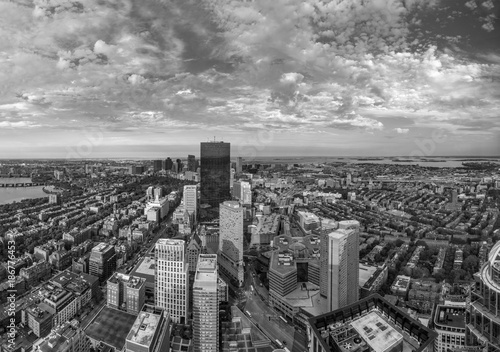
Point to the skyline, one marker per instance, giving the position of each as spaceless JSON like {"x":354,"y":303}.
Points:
{"x":142,"y":79}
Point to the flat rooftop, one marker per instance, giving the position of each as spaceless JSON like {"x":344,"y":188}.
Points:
{"x":376,"y":332}
{"x":170,"y":242}
{"x":146,"y":269}
{"x":111,"y":326}
{"x":450,"y":316}
{"x":144,"y":328}
{"x":101,"y":247}
{"x":365,"y":273}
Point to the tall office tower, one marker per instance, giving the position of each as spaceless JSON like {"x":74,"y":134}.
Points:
{"x":167,"y":165}
{"x":343,"y":267}
{"x":102,"y":262}
{"x":171,"y":278}
{"x":454,"y":196}
{"x":206,"y":305}
{"x":246,"y":193}
{"x":236,"y":191}
{"x":179,"y":165}
{"x":239,"y":165}
{"x":157,"y":165}
{"x":191,"y":163}
{"x":215,"y":172}
{"x":231,"y":178}
{"x":231,"y":241}
{"x":191,"y":199}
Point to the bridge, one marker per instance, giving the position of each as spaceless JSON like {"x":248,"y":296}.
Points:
{"x":28,"y":184}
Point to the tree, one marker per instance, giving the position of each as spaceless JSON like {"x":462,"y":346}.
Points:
{"x":471,"y":264}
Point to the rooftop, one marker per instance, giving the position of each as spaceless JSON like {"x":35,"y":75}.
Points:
{"x":146,"y":269}
{"x":450,"y":316}
{"x":366,"y":323}
{"x":101,"y":247}
{"x":111,"y":326}
{"x":131,"y":281}
{"x":170,"y":242}
{"x":144,"y":328}
{"x":365,"y":273}
{"x":377,"y":332}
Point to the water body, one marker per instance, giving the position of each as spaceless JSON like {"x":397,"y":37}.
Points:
{"x":451,"y":162}
{"x":15,"y":194}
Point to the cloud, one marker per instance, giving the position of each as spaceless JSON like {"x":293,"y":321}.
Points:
{"x":306,"y":66}
{"x":401,"y":130}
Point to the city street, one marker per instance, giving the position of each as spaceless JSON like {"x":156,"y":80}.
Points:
{"x":267,"y":319}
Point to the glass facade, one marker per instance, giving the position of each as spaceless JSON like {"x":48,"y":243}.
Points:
{"x":483,"y":314}
{"x":215,"y":172}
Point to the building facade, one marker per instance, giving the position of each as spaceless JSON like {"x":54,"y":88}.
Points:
{"x":230,"y":254}
{"x":102,"y":262}
{"x":171,"y":278}
{"x":191,"y":199}
{"x":206,"y":305}
{"x":483,"y":313}
{"x":126,"y":292}
{"x":215,"y":172}
{"x":343,"y":268}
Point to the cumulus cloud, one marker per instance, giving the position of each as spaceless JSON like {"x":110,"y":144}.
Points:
{"x":284,"y":64}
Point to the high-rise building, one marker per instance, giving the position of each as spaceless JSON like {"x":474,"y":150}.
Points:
{"x":179,"y":165}
{"x":215,"y":172}
{"x":231,"y":178}
{"x":343,"y":266}
{"x":239,"y":165}
{"x":102,"y":262}
{"x":206,"y":305}
{"x":191,"y":199}
{"x":171,"y":278}
{"x":126,"y":292}
{"x":246,"y":193}
{"x":191,"y":163}
{"x":231,"y":241}
{"x":167,"y":164}
{"x":157,"y":165}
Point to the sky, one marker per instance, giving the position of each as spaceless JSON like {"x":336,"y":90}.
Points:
{"x":140,"y":78}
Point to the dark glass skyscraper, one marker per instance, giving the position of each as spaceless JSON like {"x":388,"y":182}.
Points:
{"x":215,"y":172}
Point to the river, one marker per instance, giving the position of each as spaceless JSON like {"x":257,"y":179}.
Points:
{"x":13,"y":194}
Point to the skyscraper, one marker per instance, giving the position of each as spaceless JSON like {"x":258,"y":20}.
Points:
{"x":171,"y":278}
{"x":102,"y":262}
{"x":157,"y":165}
{"x":239,"y":165}
{"x":215,"y":172}
{"x":206,"y":305}
{"x":191,"y":163}
{"x":343,"y":265}
{"x":191,"y":199}
{"x":231,"y":241}
{"x":167,"y":165}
